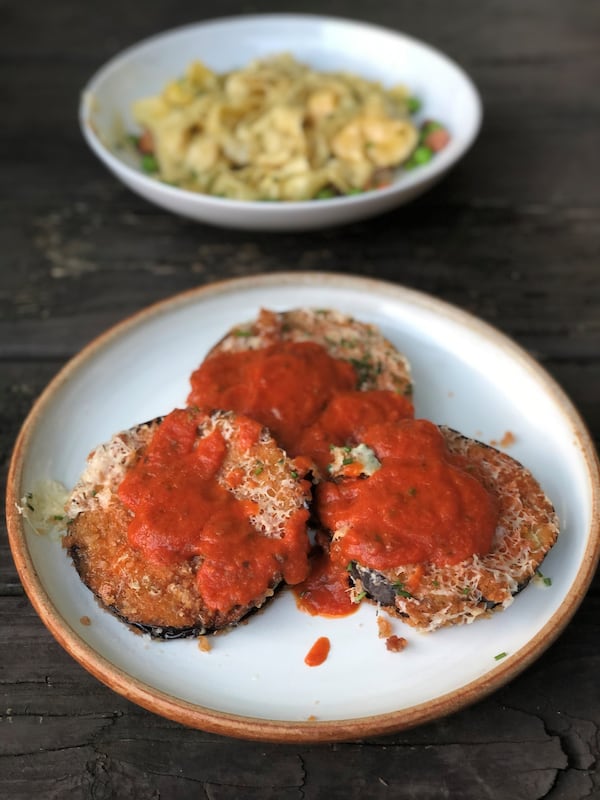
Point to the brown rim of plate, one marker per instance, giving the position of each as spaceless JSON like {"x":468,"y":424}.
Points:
{"x":259,"y":729}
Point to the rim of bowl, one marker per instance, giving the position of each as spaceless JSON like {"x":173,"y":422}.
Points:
{"x":424,"y":174}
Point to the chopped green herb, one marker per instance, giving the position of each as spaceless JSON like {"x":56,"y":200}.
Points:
{"x":294,"y":474}
{"x":348,"y":460}
{"x":359,"y":597}
{"x":363,"y":367}
{"x":243,"y":332}
{"x":412,"y":491}
{"x":545,"y":580}
{"x":400,"y":590}
{"x":465,"y":590}
{"x":500,"y":656}
{"x":259,"y":468}
{"x":350,"y":566}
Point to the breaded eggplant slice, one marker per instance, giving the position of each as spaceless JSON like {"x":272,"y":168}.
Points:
{"x":164,"y":599}
{"x":427,"y":596}
{"x":378,"y":363}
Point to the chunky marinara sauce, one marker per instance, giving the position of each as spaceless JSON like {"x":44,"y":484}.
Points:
{"x":420,"y":506}
{"x":345,"y":416}
{"x":180,"y":511}
{"x":284,"y":386}
{"x":325,"y":592}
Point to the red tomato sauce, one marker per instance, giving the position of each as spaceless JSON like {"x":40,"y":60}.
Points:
{"x":326,"y":590}
{"x":318,"y":652}
{"x":346,"y":416}
{"x":180,"y":511}
{"x":284,"y":386}
{"x":419,"y":506}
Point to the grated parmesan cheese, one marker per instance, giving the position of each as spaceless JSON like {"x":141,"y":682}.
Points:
{"x":378,"y":363}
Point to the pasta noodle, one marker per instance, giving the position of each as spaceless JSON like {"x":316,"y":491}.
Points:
{"x":275,"y":130}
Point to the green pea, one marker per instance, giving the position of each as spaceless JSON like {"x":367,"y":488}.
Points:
{"x":422,"y":155}
{"x":324,"y":194}
{"x":149,"y":163}
{"x":413,"y":105}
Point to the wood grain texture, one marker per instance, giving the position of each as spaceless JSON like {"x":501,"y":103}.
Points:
{"x":512,"y":235}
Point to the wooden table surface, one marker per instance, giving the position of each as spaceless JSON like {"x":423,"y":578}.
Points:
{"x":511,"y":235}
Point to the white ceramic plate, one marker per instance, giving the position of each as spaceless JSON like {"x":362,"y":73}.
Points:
{"x":254,"y":682}
{"x":325,"y":43}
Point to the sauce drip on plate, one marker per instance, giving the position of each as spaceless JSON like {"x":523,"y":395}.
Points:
{"x":318,"y":653}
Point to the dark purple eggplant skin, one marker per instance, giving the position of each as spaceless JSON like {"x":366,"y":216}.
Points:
{"x":155,"y":631}
{"x":168,"y":633}
{"x":164,"y":632}
{"x":374,"y":583}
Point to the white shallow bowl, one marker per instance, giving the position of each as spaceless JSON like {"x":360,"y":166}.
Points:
{"x":325,"y":43}
{"x":254,"y":682}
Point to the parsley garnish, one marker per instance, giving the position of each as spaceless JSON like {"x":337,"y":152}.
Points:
{"x":400,"y":590}
{"x":546,"y":581}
